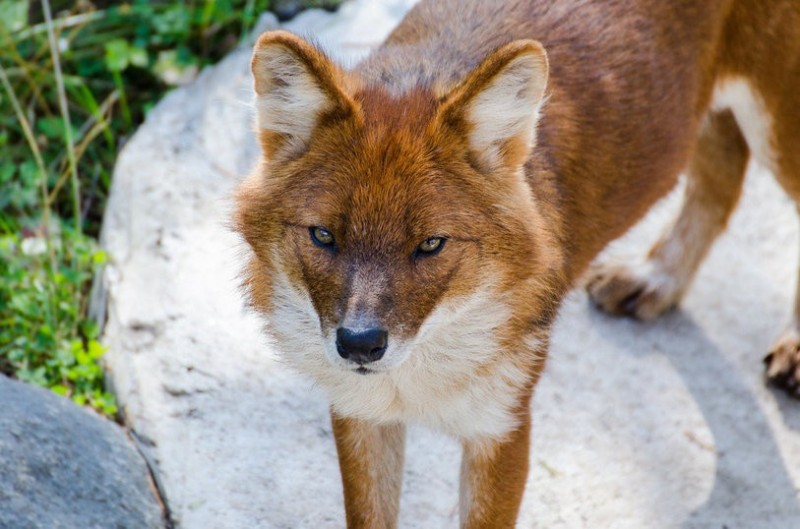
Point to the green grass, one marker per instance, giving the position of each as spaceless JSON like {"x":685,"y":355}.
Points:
{"x":45,"y":336}
{"x":76,"y":78}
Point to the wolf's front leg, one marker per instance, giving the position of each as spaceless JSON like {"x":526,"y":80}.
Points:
{"x":371,"y":462}
{"x":493,"y":476}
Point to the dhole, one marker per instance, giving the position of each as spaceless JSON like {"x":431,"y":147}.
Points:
{"x":415,"y":222}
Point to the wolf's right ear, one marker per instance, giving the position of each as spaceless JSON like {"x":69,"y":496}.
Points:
{"x":297,"y":89}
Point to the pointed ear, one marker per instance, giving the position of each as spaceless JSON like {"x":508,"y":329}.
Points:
{"x":297,"y":89}
{"x":497,"y":105}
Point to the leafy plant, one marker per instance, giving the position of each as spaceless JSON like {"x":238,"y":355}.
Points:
{"x":115,"y":62}
{"x":45,"y":336}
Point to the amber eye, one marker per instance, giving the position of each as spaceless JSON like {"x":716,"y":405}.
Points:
{"x":321,"y":236}
{"x":430,"y":246}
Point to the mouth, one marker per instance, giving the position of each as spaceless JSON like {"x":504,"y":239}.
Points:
{"x":364,"y":371}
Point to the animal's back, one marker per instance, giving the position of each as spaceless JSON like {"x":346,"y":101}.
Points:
{"x":629,"y":82}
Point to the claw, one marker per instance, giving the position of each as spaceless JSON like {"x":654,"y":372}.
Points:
{"x":640,"y":291}
{"x":782,"y":364}
{"x":630,"y":303}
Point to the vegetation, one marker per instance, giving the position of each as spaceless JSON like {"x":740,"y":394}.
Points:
{"x":76,"y":78}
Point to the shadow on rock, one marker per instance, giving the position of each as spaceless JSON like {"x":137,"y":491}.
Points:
{"x":789,"y":408}
{"x":751,"y":487}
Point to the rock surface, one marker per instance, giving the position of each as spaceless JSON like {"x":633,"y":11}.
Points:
{"x":635,"y":426}
{"x":62,"y":467}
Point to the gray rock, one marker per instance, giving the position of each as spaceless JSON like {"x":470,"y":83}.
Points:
{"x":62,"y":467}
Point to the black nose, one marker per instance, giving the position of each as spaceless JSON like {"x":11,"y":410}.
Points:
{"x":361,"y":346}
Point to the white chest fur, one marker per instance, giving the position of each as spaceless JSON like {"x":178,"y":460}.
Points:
{"x":455,"y":377}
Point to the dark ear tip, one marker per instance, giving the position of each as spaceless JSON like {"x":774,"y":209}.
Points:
{"x":281,"y":41}
{"x":280,"y":37}
{"x":267,"y":40}
{"x":521,"y":47}
{"x":291,"y":43}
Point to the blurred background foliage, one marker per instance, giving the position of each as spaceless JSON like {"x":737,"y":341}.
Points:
{"x":76,"y":78}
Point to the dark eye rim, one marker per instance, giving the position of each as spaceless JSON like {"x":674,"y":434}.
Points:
{"x":328,"y":245}
{"x":419,"y":252}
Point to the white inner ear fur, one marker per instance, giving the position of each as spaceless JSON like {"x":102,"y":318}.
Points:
{"x":507,"y":108}
{"x":289,"y":99}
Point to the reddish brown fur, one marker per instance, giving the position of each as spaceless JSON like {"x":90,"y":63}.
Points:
{"x":407,"y":165}
{"x":388,"y":165}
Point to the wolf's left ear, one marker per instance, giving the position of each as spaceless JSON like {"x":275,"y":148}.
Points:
{"x":297,"y":89}
{"x":497,"y":105}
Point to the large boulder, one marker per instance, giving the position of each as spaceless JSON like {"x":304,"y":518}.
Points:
{"x":64,"y":467}
{"x":635,"y":426}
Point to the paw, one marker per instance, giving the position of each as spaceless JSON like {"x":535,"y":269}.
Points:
{"x":641,"y":291}
{"x":782,"y":364}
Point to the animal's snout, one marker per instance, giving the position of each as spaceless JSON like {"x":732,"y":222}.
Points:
{"x":361,"y":346}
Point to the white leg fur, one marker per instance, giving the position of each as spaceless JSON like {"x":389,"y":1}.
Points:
{"x":747,"y":105}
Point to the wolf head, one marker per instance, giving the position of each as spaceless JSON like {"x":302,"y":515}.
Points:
{"x":393,"y":226}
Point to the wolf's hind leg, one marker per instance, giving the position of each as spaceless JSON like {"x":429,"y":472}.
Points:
{"x":714,"y":183}
{"x":783,"y":362}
